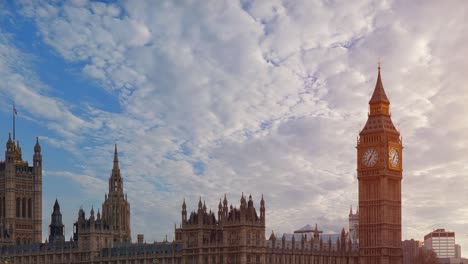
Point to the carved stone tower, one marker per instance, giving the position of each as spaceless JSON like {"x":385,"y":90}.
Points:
{"x":379,"y":168}
{"x":353,"y":219}
{"x":20,"y":196}
{"x":56,"y":225}
{"x":116,"y":209}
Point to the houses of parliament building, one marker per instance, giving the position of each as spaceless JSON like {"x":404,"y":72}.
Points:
{"x":232,"y":235}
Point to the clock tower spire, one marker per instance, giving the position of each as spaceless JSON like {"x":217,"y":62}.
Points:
{"x":379,"y":169}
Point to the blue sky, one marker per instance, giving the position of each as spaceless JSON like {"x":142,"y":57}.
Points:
{"x":211,"y":97}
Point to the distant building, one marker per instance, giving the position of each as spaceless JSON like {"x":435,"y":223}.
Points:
{"x":56,"y":226}
{"x":457,"y":251}
{"x":410,"y":250}
{"x":441,"y":242}
{"x":354,"y":226}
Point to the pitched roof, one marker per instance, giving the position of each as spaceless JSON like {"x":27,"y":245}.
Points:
{"x":379,"y":93}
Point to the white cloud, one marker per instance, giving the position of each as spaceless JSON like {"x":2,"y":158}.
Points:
{"x":269,"y":97}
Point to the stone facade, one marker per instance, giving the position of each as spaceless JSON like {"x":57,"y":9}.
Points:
{"x":113,"y":227}
{"x":56,"y":226}
{"x":353,"y":219}
{"x":237,"y":235}
{"x":20,"y":196}
{"x":116,"y":209}
{"x":379,"y":169}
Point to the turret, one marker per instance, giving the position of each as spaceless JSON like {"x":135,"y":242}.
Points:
{"x":10,"y":150}
{"x":37,"y":211}
{"x":200,"y":205}
{"x":343,"y":240}
{"x":56,"y":228}
{"x":115,"y":181}
{"x":225,"y":207}
{"x":91,"y":214}
{"x":316,"y":232}
{"x":243,"y":202}
{"x":250,"y":204}
{"x":18,"y":151}
{"x":262,"y":210}
{"x":184,"y":212}
{"x":81,"y":215}
{"x":220,"y":211}
{"x":37,"y":158}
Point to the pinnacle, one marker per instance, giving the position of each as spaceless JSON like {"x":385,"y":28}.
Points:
{"x":379,"y":95}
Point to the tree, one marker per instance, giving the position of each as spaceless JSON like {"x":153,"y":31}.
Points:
{"x":426,"y":256}
{"x":5,"y":259}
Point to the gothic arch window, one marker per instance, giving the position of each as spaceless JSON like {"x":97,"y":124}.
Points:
{"x":18,"y":204}
{"x":29,"y":208}
{"x":24,"y":209}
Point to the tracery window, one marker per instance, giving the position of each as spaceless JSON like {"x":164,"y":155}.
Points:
{"x":18,"y":205}
{"x":29,"y":208}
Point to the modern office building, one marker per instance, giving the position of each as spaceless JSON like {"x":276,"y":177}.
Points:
{"x":442,"y":242}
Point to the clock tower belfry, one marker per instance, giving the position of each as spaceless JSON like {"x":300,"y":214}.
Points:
{"x":379,"y":170}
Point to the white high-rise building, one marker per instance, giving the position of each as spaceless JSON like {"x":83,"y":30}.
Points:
{"x":457,"y":251}
{"x":441,"y":242}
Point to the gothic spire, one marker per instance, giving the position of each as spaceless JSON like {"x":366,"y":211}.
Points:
{"x":379,"y":95}
{"x":116,"y":158}
{"x":56,"y":225}
{"x":56,"y":206}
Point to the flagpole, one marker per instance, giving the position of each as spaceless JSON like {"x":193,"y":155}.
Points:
{"x":14,"y":125}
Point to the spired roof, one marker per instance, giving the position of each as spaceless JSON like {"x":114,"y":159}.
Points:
{"x":379,"y":95}
{"x":56,"y":206}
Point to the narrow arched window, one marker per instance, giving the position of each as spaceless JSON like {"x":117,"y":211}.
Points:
{"x":24,"y":208}
{"x":29,"y":208}
{"x":18,"y":204}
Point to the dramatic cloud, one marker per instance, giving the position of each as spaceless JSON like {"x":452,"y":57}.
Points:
{"x":261,"y":97}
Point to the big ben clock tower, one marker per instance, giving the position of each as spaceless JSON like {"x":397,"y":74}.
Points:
{"x":379,"y":168}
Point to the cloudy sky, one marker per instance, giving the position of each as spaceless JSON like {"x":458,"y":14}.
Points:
{"x":211,"y":97}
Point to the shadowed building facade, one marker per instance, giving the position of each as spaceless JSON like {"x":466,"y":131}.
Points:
{"x":20,"y":196}
{"x":116,"y":209}
{"x":56,"y":226}
{"x":379,"y":169}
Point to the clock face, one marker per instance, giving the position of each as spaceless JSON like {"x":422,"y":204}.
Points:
{"x":370,"y":157}
{"x":393,"y":157}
